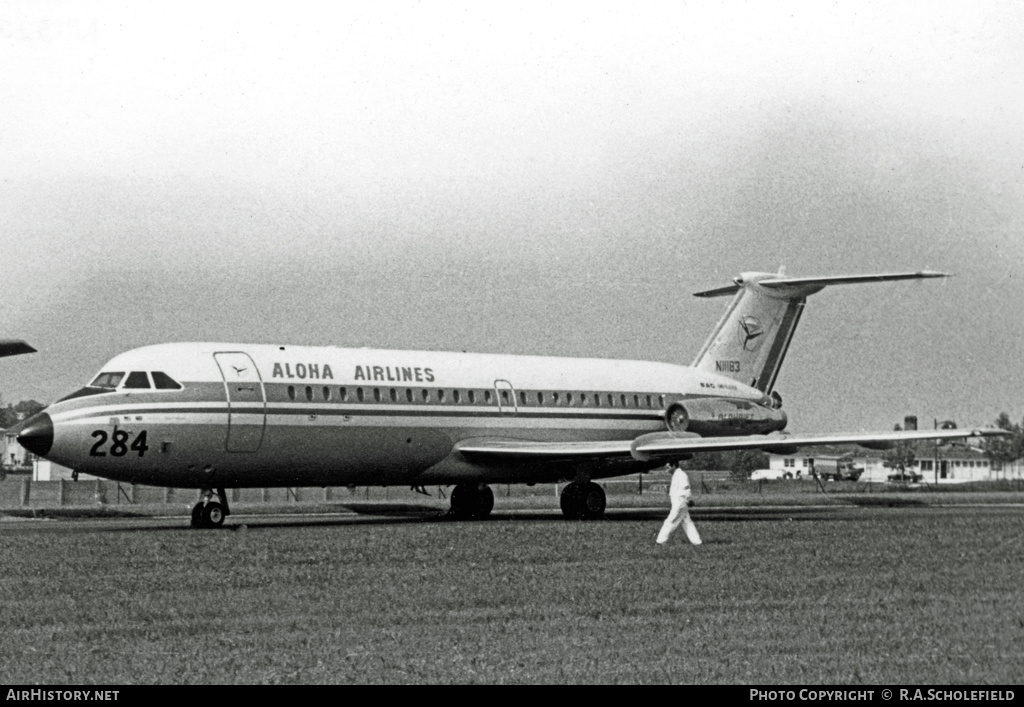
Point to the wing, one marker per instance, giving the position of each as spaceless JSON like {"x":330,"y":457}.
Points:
{"x":13,"y":347}
{"x":672,"y":445}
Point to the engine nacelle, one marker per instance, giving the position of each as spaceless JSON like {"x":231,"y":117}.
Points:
{"x":717,"y":417}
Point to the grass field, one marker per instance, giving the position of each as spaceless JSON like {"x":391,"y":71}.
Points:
{"x":861,"y":595}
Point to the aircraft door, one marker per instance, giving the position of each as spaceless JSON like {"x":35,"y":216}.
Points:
{"x":247,"y":402}
{"x":505,"y":394}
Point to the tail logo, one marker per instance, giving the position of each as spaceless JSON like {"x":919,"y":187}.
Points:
{"x":751,"y":333}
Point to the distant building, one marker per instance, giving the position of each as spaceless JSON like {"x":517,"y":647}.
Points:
{"x":943,"y":464}
{"x":12,"y":454}
{"x":45,"y":470}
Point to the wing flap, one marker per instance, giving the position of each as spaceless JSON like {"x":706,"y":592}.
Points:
{"x":497,"y":449}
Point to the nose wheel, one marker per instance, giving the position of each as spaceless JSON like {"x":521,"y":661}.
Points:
{"x":209,"y":513}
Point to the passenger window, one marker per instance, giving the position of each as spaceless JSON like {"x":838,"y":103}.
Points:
{"x":583,"y":399}
{"x":394,"y":395}
{"x":611,"y":400}
{"x":522,"y":397}
{"x":107,"y":380}
{"x":540,"y":398}
{"x":376,"y":394}
{"x":343,"y":392}
{"x":636,"y":401}
{"x":291,"y":392}
{"x":622,"y":398}
{"x":457,"y":396}
{"x":137,"y":379}
{"x":426,"y":395}
{"x":648,"y":401}
{"x":408,"y":394}
{"x":309,"y":393}
{"x":554,"y":398}
{"x":162,"y":381}
{"x":440,"y":395}
{"x":359,"y":394}
{"x":487,"y":396}
{"x":472,"y":397}
{"x":327,"y":393}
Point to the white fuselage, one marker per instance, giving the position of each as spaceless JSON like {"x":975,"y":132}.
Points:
{"x":244,"y":415}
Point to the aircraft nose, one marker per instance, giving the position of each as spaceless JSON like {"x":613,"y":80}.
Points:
{"x":37,"y":434}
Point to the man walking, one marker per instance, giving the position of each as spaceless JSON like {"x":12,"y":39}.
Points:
{"x":679,"y":494}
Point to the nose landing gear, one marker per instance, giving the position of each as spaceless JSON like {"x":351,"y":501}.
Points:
{"x":209,"y":513}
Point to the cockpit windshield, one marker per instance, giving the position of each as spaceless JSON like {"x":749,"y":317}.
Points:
{"x":107,"y":380}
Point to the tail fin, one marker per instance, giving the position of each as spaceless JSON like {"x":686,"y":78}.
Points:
{"x":751,"y":339}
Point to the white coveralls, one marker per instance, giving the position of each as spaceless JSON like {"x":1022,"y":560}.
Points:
{"x":679,"y":493}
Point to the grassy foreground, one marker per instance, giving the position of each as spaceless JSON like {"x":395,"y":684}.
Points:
{"x":876,"y":595}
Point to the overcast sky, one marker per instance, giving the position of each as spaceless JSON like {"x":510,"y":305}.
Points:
{"x":543,"y":178}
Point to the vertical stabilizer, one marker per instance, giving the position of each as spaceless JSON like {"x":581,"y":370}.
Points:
{"x":751,"y":340}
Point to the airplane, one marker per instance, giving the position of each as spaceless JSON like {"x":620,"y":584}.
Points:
{"x":14,"y":347}
{"x":214,"y":416}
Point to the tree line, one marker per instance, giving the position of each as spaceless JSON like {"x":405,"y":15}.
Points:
{"x":10,"y":414}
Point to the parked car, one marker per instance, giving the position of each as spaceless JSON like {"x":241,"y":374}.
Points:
{"x":911,"y":476}
{"x":770,"y":474}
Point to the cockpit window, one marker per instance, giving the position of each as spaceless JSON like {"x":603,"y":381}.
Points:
{"x":107,"y":380}
{"x":164,"y":382}
{"x":137,"y":379}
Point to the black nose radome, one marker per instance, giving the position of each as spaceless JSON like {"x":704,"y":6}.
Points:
{"x":37,"y":434}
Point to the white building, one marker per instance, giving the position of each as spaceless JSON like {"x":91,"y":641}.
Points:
{"x":942,"y":464}
{"x":12,"y":454}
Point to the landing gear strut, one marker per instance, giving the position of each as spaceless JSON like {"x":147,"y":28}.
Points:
{"x":471,"y":501}
{"x":209,"y":513}
{"x":583,"y":500}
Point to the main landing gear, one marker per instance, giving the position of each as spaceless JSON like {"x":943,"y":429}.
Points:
{"x":209,"y":513}
{"x":583,"y":500}
{"x":471,"y":501}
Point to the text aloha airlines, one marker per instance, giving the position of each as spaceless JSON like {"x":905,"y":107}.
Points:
{"x":394,"y":374}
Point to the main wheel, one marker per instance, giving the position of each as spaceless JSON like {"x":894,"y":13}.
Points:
{"x":484,"y":501}
{"x":197,"y":515}
{"x":213,"y":515}
{"x":570,"y":501}
{"x":472,"y":501}
{"x":593,"y":502}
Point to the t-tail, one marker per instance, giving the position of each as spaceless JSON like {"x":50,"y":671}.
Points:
{"x":752,"y":338}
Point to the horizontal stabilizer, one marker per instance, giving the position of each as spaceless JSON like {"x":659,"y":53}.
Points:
{"x":780,"y":281}
{"x":14,"y":347}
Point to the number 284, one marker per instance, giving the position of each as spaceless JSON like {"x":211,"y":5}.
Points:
{"x":118,"y":443}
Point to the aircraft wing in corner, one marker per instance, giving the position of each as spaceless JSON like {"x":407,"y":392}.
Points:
{"x":672,"y":445}
{"x":13,"y":347}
